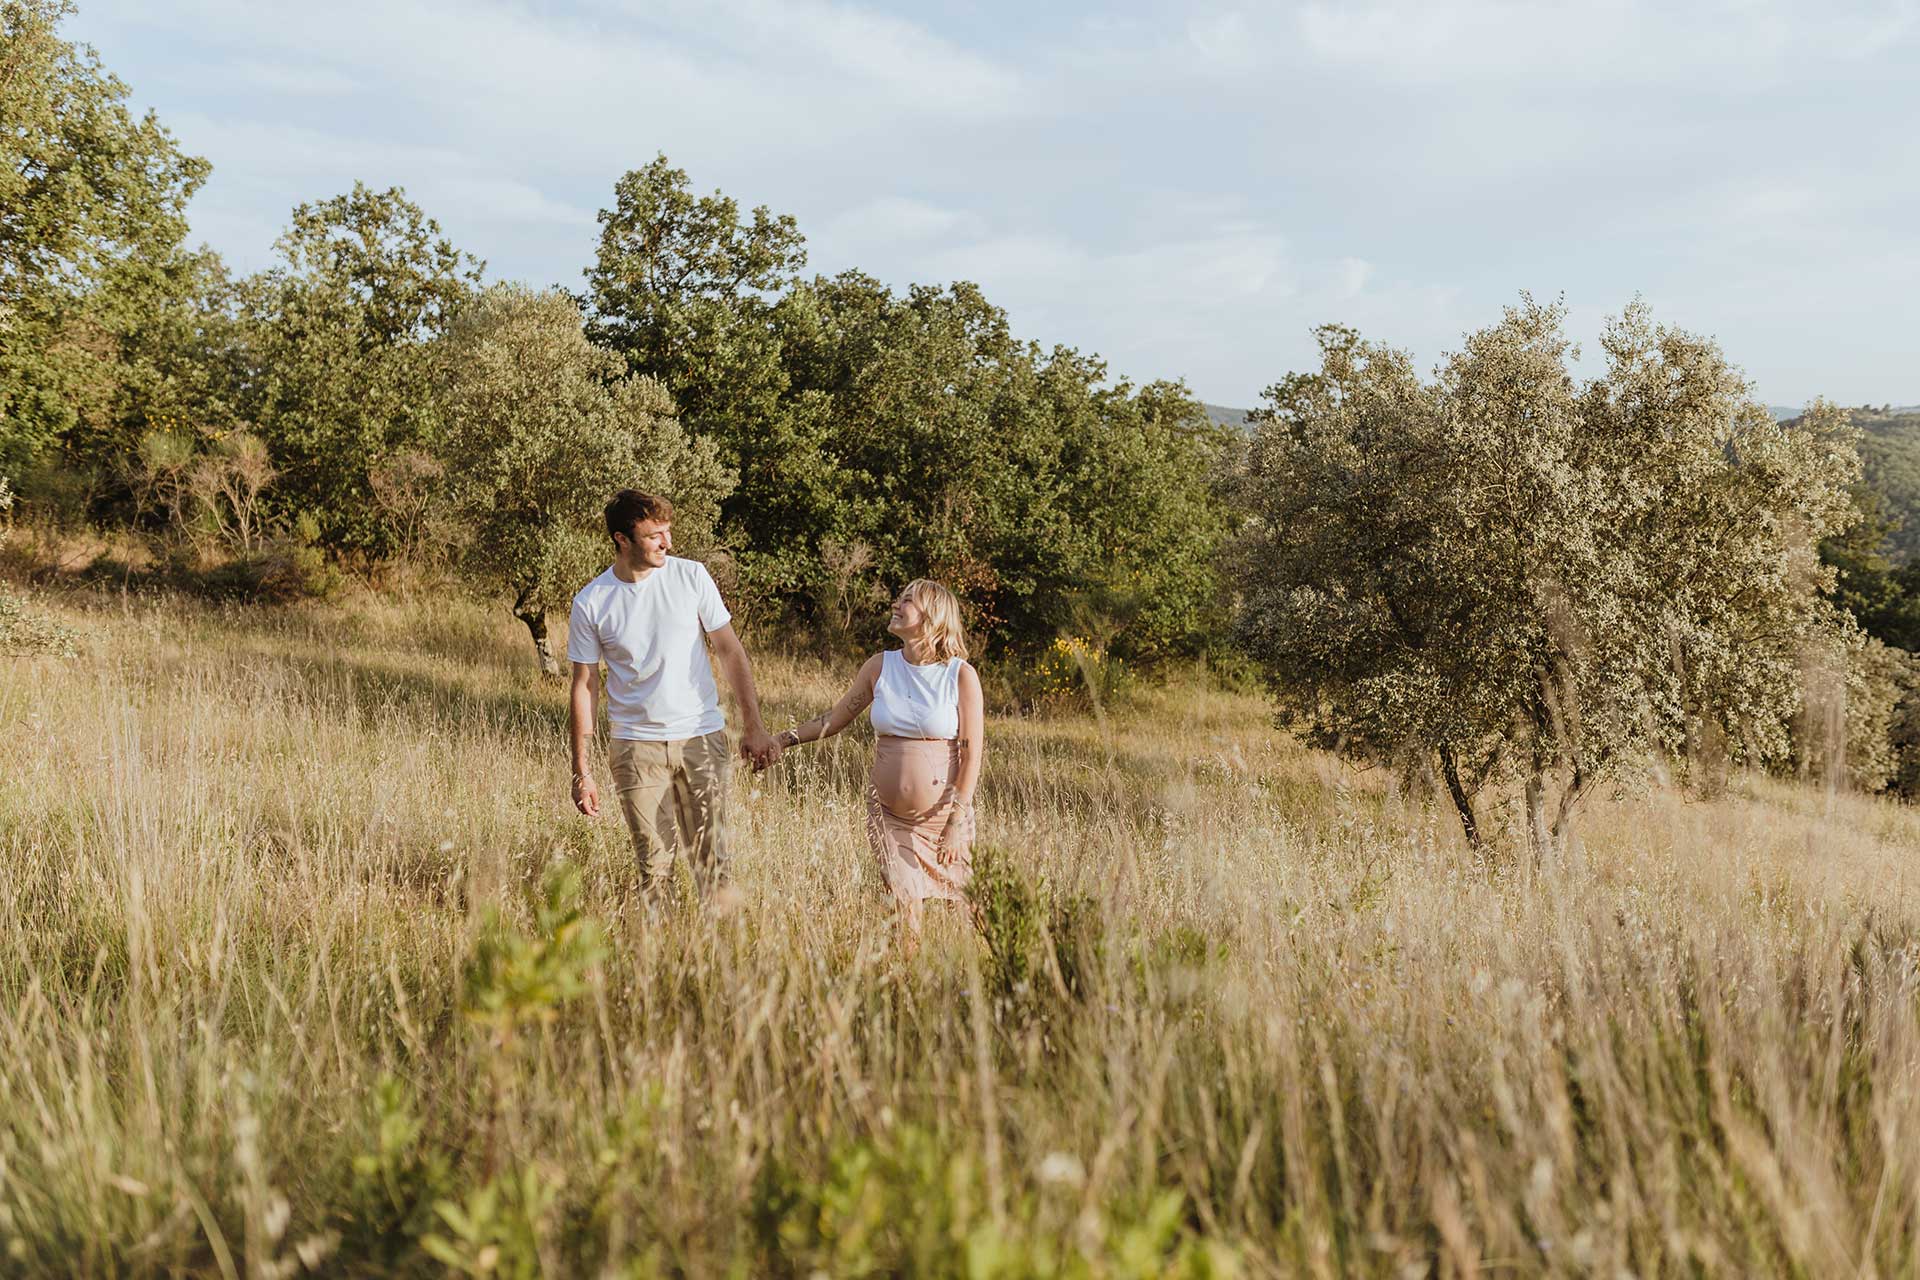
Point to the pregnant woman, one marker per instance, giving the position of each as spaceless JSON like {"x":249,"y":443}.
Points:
{"x":926,"y":760}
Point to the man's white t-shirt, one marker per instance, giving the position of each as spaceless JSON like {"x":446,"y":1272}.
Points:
{"x":651,"y":635}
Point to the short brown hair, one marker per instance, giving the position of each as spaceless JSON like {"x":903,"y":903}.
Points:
{"x":630,"y":506}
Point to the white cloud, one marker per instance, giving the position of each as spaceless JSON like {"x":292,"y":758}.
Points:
{"x":281,"y":77}
{"x":1225,"y":40}
{"x":894,"y":220}
{"x":1610,"y":41}
{"x":904,"y":63}
{"x":1352,"y":275}
{"x":1187,"y":188}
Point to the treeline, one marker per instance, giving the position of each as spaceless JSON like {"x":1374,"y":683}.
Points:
{"x":1501,"y":577}
{"x":369,"y":402}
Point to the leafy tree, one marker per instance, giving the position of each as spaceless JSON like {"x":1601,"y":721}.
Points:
{"x":343,"y":377}
{"x":919,"y":430}
{"x":541,"y":431}
{"x":1855,"y":725}
{"x":1513,"y":576}
{"x":92,"y":214}
{"x":680,"y":287}
{"x":880,"y":437}
{"x":1144,"y":492}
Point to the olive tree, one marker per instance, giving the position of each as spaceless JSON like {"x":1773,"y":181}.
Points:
{"x":1505,"y":575}
{"x":92,"y":216}
{"x":341,"y":336}
{"x":542,"y":428}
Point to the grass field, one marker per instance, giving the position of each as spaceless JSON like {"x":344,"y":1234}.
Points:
{"x":283,"y":989}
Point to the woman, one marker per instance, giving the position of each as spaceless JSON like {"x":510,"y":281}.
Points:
{"x":928,"y":714}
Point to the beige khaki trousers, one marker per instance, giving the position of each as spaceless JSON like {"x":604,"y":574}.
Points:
{"x":674,"y":796}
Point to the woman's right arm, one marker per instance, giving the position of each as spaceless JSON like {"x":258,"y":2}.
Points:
{"x":843,"y":713}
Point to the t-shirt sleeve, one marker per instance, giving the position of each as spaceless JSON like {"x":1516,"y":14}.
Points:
{"x":583,"y":639}
{"x":712,"y":609}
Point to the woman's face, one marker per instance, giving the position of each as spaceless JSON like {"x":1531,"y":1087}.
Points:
{"x":906,"y":620}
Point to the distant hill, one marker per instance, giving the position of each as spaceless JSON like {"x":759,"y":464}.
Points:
{"x":1890,"y":459}
{"x":1890,"y":466}
{"x":1225,"y":417}
{"x":1784,"y":413}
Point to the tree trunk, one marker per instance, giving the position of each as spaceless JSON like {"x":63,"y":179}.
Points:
{"x":1570,"y":801}
{"x":536,"y":620}
{"x":1539,"y":835}
{"x":1450,"y":770}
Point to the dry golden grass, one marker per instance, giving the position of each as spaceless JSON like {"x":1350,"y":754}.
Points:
{"x":1280,"y":1020}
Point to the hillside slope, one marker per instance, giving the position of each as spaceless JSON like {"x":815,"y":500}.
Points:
{"x":1235,"y":1000}
{"x":1890,"y":459}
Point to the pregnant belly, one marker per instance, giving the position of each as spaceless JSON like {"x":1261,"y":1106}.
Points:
{"x":913,"y":776}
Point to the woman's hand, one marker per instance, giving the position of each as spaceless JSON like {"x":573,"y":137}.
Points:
{"x":958,"y":833}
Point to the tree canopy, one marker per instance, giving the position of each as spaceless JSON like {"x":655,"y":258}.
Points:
{"x":881,"y":437}
{"x":541,"y":429}
{"x":1507,"y":574}
{"x":92,"y":215}
{"x":342,"y":380}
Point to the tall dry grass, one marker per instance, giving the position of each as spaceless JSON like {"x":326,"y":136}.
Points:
{"x":1266,"y":1016}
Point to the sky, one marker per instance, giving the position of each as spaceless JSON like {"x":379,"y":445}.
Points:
{"x":1184,"y":189}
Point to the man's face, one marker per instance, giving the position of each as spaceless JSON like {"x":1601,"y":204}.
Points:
{"x":652,"y":541}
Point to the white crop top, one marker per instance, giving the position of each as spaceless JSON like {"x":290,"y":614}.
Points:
{"x":911,"y":701}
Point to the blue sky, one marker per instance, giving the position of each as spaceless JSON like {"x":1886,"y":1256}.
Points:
{"x":1184,"y":189}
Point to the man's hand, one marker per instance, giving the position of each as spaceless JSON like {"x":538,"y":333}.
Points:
{"x":586,"y":796}
{"x":759,"y":748}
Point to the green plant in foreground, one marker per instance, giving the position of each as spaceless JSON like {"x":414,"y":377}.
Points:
{"x":516,"y":980}
{"x":1037,"y":939}
{"x":396,"y":1184}
{"x":497,"y":1229}
{"x":904,"y":1203}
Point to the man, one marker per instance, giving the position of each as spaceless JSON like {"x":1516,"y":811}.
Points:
{"x":645,"y":618}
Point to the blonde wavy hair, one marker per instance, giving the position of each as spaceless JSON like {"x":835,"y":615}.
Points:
{"x":945,"y":631}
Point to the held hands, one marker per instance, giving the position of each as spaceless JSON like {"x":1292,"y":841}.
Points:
{"x":759,"y":749}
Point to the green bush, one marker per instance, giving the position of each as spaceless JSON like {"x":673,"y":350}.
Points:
{"x":905,"y":1203}
{"x":283,"y":570}
{"x":395,"y":1182}
{"x":1042,"y":945}
{"x":24,"y":632}
{"x":1072,"y":673}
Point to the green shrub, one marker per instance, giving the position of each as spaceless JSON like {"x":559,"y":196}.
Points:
{"x":25,"y":632}
{"x":903,"y":1203}
{"x":516,"y":980}
{"x":283,"y":569}
{"x":1072,"y":673}
{"x":498,"y":1229}
{"x":396,"y":1182}
{"x":1041,"y":944}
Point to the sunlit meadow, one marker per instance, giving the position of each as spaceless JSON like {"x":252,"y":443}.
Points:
{"x":306,"y":965}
